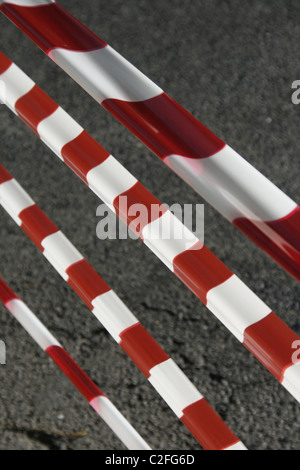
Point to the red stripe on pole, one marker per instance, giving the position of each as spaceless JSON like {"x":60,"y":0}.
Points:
{"x":280,"y":239}
{"x":36,"y":225}
{"x":82,"y":154}
{"x":69,"y":367}
{"x":142,"y":348}
{"x":211,"y":430}
{"x":5,"y":63}
{"x":271,"y":340}
{"x":6,"y":294}
{"x":4,"y":175}
{"x":86,"y":282}
{"x":200,"y":270}
{"x":129,"y":210}
{"x":165,"y":127}
{"x":51,"y":26}
{"x":34,"y":107}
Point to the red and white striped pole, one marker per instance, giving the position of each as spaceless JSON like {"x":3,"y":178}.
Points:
{"x":162,"y":372}
{"x":236,"y":189}
{"x":234,"y":304}
{"x":99,"y":402}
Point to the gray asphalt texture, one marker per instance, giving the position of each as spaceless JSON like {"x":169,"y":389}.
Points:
{"x":231,"y":64}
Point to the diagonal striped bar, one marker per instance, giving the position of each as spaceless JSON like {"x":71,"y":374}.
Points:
{"x":228,"y":182}
{"x":101,"y":404}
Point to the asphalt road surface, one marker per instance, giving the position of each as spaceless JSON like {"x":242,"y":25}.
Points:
{"x":231,"y":64}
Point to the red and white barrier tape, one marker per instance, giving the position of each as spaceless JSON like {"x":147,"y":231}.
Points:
{"x":99,"y":402}
{"x":179,"y":393}
{"x":236,"y":189}
{"x":233,"y":303}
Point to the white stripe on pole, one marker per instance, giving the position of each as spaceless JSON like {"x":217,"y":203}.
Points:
{"x":31,"y":324}
{"x":236,"y":306}
{"x":17,"y":84}
{"x":113,"y":314}
{"x":106,"y":74}
{"x":162,"y":375}
{"x":60,"y":252}
{"x":58,"y":129}
{"x":14,"y":199}
{"x":110,"y":179}
{"x":251,"y":194}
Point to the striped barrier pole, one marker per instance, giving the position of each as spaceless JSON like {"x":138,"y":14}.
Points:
{"x":251,"y":321}
{"x":162,"y":372}
{"x":219,"y":174}
{"x":98,"y":401}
